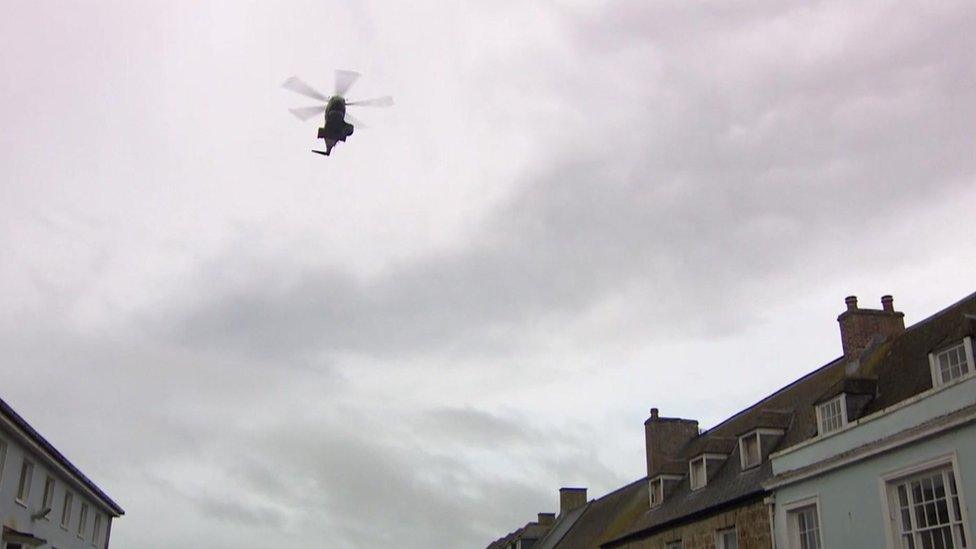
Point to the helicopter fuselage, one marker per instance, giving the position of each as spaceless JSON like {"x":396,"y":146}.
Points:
{"x":336,"y":128}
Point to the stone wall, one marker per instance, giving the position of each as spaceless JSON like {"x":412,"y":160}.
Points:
{"x":751,"y":521}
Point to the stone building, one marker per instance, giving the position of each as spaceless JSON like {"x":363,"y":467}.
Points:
{"x":45,"y":501}
{"x":758,"y":477}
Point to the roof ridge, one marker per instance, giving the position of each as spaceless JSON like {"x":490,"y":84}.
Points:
{"x":622,"y":488}
{"x":770,"y":396}
{"x":55,"y":454}
{"x":940,"y":312}
{"x":920,"y":323}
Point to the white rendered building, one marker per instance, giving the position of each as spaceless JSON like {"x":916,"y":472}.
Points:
{"x":45,"y":501}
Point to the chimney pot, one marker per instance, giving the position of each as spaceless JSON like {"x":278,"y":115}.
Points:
{"x":654,"y":413}
{"x":862,"y":328}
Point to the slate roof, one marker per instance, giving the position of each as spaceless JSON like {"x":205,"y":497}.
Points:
{"x":885,"y":373}
{"x":902,"y":367}
{"x":898,"y":369}
{"x":563,"y":524}
{"x":58,"y":457}
{"x":600,"y":519}
{"x":531,"y":531}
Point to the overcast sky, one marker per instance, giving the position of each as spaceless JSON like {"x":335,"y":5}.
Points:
{"x":575,"y":211}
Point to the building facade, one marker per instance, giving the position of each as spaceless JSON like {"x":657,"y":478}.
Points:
{"x":45,"y":501}
{"x":897,"y":475}
{"x":876,"y":448}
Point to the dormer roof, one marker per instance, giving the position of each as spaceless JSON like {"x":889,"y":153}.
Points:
{"x":709,"y":444}
{"x":867,"y":386}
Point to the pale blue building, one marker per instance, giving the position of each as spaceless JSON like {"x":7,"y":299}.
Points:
{"x":893,"y":461}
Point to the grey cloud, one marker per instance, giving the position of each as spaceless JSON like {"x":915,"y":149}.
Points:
{"x":680,"y":208}
{"x":369,"y":480}
{"x":684,"y":158}
{"x":225,"y":509}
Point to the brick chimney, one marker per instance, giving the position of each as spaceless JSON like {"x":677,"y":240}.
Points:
{"x":547,"y":519}
{"x":664,"y":437}
{"x":860,"y":327}
{"x":571,"y":498}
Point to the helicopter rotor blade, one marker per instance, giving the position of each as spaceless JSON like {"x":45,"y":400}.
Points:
{"x":304,"y":113}
{"x":385,"y":101}
{"x":355,"y":121}
{"x":296,"y":85}
{"x":344,"y":80}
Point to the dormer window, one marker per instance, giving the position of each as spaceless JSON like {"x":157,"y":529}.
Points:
{"x":749,"y":450}
{"x":952,"y":363}
{"x":832,"y":415}
{"x":752,"y":443}
{"x":697,"y":473}
{"x":657,"y":486}
{"x":657,"y":492}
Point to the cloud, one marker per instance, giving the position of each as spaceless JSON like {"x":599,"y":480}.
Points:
{"x":416,"y":343}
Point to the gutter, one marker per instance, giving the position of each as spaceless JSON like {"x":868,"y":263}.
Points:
{"x":19,"y":428}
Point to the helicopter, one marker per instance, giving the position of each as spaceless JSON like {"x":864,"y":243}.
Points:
{"x":338,"y":124}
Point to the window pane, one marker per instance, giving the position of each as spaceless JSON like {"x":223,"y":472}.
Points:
{"x":952,"y":363}
{"x":66,"y":509}
{"x":929,"y":498}
{"x":906,"y":520}
{"x":927,"y":540}
{"x":23,"y":488}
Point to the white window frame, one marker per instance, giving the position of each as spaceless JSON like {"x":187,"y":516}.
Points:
{"x":720,"y":537}
{"x":841,"y":399}
{"x":656,"y":488}
{"x":655,"y":492}
{"x":792,"y":510}
{"x":24,"y":488}
{"x":704,"y":473}
{"x":3,"y":458}
{"x":891,"y":479}
{"x":67,"y":505}
{"x":82,"y":520}
{"x":97,"y":529}
{"x":743,"y":455}
{"x":967,"y":344}
{"x":758,"y":434}
{"x":47,"y":499}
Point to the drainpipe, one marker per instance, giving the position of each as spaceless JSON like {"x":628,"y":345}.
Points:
{"x":770,"y":502}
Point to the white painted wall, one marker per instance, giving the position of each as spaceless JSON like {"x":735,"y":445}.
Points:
{"x":853,"y":512}
{"x":17,"y":516}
